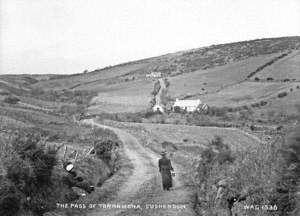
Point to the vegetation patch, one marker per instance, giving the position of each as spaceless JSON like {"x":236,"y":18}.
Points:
{"x":11,"y":100}
{"x":282,"y":94}
{"x":227,"y":180}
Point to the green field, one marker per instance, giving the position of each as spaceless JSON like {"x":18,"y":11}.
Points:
{"x":285,"y":68}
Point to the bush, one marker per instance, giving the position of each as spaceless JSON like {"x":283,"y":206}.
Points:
{"x":245,"y":107}
{"x":9,"y":198}
{"x":288,"y":183}
{"x":217,"y":154}
{"x":106,"y":148}
{"x":11,"y":100}
{"x":103,"y":149}
{"x":270,"y":78}
{"x":29,"y":173}
{"x":216,"y":111}
{"x":248,"y":174}
{"x":4,"y":93}
{"x":177,"y":109}
{"x":282,"y":94}
{"x":71,"y":109}
{"x":256,"y":79}
{"x":263,"y":103}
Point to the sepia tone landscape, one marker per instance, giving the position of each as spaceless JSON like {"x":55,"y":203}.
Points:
{"x":236,"y":152}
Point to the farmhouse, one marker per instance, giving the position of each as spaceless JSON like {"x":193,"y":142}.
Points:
{"x":154,"y":74}
{"x":158,"y":108}
{"x":188,"y":105}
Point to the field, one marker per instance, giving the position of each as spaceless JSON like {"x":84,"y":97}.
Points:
{"x":91,"y":79}
{"x":188,"y":139}
{"x":215,"y":79}
{"x":285,"y":68}
{"x":125,"y":97}
{"x":246,"y":92}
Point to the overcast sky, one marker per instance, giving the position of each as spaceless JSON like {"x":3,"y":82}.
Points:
{"x":69,"y":36}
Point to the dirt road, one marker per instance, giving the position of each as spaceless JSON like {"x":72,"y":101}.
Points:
{"x":158,"y":96}
{"x":143,"y":190}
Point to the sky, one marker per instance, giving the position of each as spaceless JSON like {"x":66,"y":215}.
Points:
{"x":70,"y":36}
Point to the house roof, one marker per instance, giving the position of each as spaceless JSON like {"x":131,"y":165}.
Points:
{"x":187,"y":103}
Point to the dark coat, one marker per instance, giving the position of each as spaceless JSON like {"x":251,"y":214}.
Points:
{"x":165,"y":168}
{"x":70,"y":179}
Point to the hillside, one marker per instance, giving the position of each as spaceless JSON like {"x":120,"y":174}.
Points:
{"x":252,"y":89}
{"x":178,"y":63}
{"x":192,"y":73}
{"x":258,"y":68}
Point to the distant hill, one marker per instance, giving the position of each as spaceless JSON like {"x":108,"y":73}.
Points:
{"x":203,"y":72}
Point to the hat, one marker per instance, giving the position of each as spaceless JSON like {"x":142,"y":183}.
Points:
{"x":163,"y":153}
{"x":69,"y":167}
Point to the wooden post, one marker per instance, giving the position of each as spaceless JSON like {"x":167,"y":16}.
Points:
{"x":66,"y":147}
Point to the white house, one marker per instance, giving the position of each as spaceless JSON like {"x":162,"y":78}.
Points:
{"x":154,"y":74}
{"x":158,"y":108}
{"x":188,"y":105}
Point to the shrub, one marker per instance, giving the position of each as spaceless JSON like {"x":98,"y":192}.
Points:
{"x":244,"y":115}
{"x":245,"y":107}
{"x":250,"y":175}
{"x":270,"y":78}
{"x":216,"y":111}
{"x":217,"y":154}
{"x":103,"y":149}
{"x":256,"y":79}
{"x":37,"y":91}
{"x":4,"y":93}
{"x":252,"y":127}
{"x":29,"y":172}
{"x":288,"y":183}
{"x":255,"y":105}
{"x":9,"y":199}
{"x":263,"y":103}
{"x":177,"y":109}
{"x":11,"y":100}
{"x":71,"y":109}
{"x":282,"y":94}
{"x":106,"y":147}
{"x":231,"y":109}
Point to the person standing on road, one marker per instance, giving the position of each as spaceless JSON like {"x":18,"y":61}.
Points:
{"x":165,"y":168}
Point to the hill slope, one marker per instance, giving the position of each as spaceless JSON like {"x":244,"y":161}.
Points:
{"x":198,"y":73}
